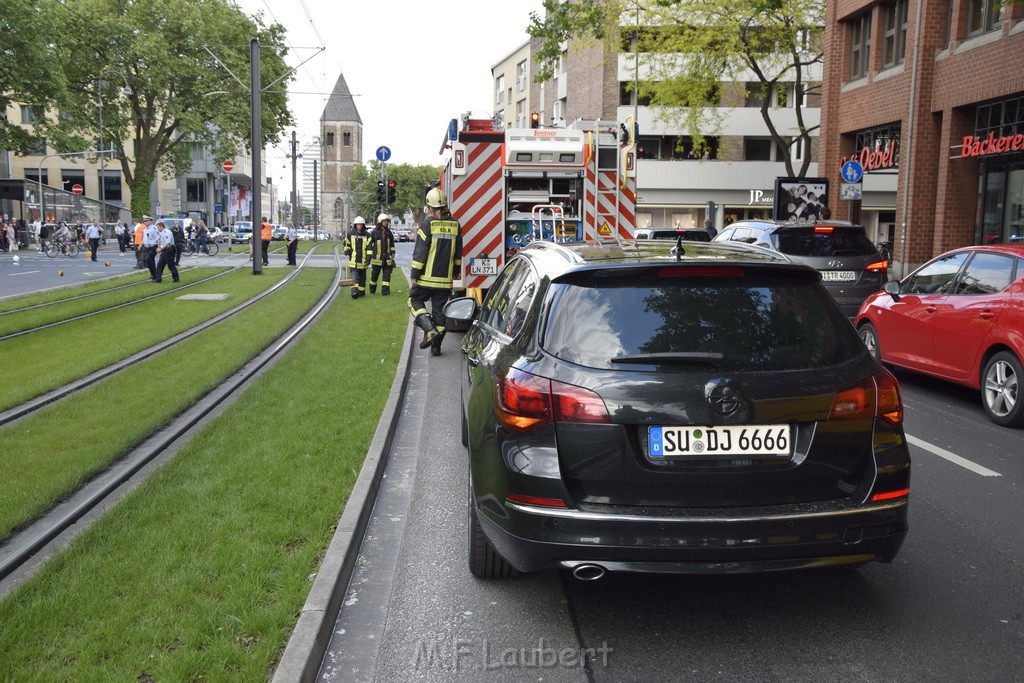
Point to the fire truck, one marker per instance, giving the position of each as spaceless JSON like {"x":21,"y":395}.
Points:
{"x":510,"y":187}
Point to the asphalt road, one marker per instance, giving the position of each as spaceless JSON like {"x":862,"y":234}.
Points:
{"x":950,"y":608}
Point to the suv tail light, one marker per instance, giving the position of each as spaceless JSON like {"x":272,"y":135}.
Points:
{"x":878,"y":265}
{"x":523,"y":401}
{"x":877,"y":396}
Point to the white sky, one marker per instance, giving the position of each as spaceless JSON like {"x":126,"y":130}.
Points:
{"x":412,"y":65}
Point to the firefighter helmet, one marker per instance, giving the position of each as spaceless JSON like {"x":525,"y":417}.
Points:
{"x":358,"y":220}
{"x":383,"y":217}
{"x":436,"y":198}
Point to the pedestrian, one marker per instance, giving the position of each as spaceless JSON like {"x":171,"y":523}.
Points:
{"x":137,"y":235}
{"x":165,"y":248}
{"x":119,"y":234}
{"x":150,"y":240}
{"x":357,"y":248}
{"x":436,"y":259}
{"x":709,"y":228}
{"x":266,"y":234}
{"x":93,"y":234}
{"x":382,"y":258}
{"x":179,"y":241}
{"x":44,"y":234}
{"x":202,"y":234}
{"x":293,"y":244}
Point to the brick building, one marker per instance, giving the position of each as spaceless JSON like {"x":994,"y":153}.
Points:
{"x":929,"y":96}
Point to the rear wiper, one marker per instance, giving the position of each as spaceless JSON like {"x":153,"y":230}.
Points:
{"x":709,"y":357}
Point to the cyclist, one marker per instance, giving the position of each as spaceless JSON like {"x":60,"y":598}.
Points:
{"x":62,"y":236}
{"x":201,"y":235}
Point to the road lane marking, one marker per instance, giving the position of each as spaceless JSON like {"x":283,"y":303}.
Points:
{"x":952,"y":457}
{"x":25,"y":272}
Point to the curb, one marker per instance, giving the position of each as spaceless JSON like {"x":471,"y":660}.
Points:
{"x":308,"y":643}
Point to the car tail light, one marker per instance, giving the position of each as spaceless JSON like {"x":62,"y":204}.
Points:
{"x":890,"y":495}
{"x":878,"y":265}
{"x":534,"y":500}
{"x":523,"y":400}
{"x":825,"y":229}
{"x":877,"y":396}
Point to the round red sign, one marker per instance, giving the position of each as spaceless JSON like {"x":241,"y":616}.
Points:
{"x":77,"y":189}
{"x":228,"y":166}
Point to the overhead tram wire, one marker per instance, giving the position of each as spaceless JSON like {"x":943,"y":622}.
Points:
{"x":323,"y":46}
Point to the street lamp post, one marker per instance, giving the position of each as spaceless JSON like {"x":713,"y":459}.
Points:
{"x":103,"y":158}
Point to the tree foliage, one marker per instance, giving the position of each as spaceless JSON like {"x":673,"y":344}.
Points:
{"x":161,"y":89}
{"x":29,"y":75}
{"x":687,"y":50}
{"x":410,"y":187}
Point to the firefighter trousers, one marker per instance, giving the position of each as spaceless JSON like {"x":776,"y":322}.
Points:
{"x":385,"y":281}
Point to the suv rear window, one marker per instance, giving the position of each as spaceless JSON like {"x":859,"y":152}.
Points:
{"x":757,"y":322}
{"x":839,"y":241}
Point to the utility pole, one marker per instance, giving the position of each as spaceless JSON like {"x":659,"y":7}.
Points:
{"x":295,"y":204}
{"x":255,"y":105}
{"x":316,"y":203}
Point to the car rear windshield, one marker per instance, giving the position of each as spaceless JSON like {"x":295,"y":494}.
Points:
{"x":824,"y":241}
{"x":741,"y":324}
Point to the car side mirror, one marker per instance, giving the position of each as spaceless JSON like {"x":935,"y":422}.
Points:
{"x":892,"y":288}
{"x":462,"y":309}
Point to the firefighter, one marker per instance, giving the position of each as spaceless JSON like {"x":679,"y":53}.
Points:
{"x":357,"y":248}
{"x":436,"y":258}
{"x":382,"y":250}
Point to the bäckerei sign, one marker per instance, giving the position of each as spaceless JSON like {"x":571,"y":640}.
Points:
{"x":976,"y":147}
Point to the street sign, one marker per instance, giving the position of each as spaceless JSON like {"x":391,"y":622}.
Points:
{"x":77,"y":189}
{"x":383,"y":153}
{"x":850,"y":192}
{"x":852,"y":171}
{"x":229,"y":166}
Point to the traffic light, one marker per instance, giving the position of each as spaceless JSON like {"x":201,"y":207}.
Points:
{"x":382,"y":194}
{"x":535,"y":119}
{"x":392,"y":185}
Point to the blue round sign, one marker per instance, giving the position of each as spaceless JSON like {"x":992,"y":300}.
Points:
{"x":852,"y":171}
{"x":383,"y":153}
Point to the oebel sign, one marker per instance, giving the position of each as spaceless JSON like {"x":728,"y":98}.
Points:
{"x":976,"y":147}
{"x":229,"y":166}
{"x":873,"y":160}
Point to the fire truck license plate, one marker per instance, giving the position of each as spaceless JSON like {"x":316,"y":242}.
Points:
{"x":483,"y":266}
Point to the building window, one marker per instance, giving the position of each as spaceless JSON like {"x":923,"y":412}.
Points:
{"x":27,"y":115}
{"x":757,"y":149}
{"x":346,"y":139}
{"x":36,"y":148}
{"x":521,"y":114}
{"x":329,"y":140}
{"x":337,"y":209}
{"x":556,"y":111}
{"x":111,"y":186}
{"x":196,"y":151}
{"x":984,"y":16}
{"x":499,"y":89}
{"x":860,"y":45}
{"x":1002,"y":118}
{"x":195,"y":190}
{"x":521,"y":76}
{"x":895,"y":37}
{"x":32,"y":175}
{"x":626,"y":92}
{"x":499,"y":119}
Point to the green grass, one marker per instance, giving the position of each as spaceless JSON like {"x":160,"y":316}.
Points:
{"x":200,"y":573}
{"x":41,"y":361}
{"x":16,"y":322}
{"x":70,"y":291}
{"x":48,"y":454}
{"x":305,"y":246}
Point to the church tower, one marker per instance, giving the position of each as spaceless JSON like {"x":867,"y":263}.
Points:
{"x":341,"y":147}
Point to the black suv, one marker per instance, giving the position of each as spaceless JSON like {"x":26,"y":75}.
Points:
{"x":663,"y":407}
{"x":851,"y":267}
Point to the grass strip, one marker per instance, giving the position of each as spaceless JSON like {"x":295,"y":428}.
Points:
{"x":16,"y":322}
{"x":326,"y":248}
{"x":42,"y":361}
{"x":199,"y":573}
{"x":26,"y":300}
{"x":52,"y":452}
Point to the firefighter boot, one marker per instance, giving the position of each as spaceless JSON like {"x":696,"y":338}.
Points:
{"x":424,"y":322}
{"x":435,"y":346}
{"x":385,"y":290}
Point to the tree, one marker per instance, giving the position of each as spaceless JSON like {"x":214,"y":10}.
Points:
{"x":29,"y":74}
{"x":177,"y":93}
{"x":410,"y":185}
{"x":687,"y":49}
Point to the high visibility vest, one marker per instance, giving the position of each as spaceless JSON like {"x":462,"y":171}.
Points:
{"x":266,"y":232}
{"x":139,"y":230}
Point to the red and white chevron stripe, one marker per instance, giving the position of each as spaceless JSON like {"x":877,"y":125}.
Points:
{"x":477,"y":199}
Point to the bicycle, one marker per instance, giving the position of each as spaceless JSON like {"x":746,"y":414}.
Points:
{"x":69,"y":249}
{"x":192,"y":248}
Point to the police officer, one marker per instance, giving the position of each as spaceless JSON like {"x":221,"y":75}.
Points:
{"x":293,"y":244}
{"x":382,"y":248}
{"x":357,"y":248}
{"x":93,"y":234}
{"x":167,"y":249}
{"x":150,"y":239}
{"x":436,"y":258}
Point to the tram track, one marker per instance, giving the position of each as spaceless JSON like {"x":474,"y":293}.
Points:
{"x":21,"y":551}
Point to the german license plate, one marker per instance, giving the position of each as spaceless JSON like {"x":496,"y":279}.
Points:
{"x":483,"y":266}
{"x":773,"y":440}
{"x":838,"y":275}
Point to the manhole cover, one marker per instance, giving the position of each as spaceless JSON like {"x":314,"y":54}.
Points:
{"x":203,"y":297}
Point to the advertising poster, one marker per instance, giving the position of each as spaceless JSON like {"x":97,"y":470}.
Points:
{"x":800,"y":199}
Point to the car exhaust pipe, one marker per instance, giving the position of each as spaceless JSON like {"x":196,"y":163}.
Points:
{"x":588,"y":572}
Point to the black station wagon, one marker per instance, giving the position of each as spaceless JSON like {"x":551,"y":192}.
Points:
{"x":687,"y":407}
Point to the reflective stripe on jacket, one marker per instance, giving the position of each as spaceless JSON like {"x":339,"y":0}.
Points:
{"x":437,"y":256}
{"x":383,"y":247}
{"x":357,"y":248}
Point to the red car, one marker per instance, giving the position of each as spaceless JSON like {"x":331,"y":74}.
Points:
{"x":959,"y":317}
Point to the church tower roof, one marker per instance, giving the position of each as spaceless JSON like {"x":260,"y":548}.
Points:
{"x":341,"y":106}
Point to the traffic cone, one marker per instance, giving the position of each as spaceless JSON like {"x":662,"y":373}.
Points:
{"x":106,"y":263}
{"x":60,"y":273}
{"x":88,"y":255}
